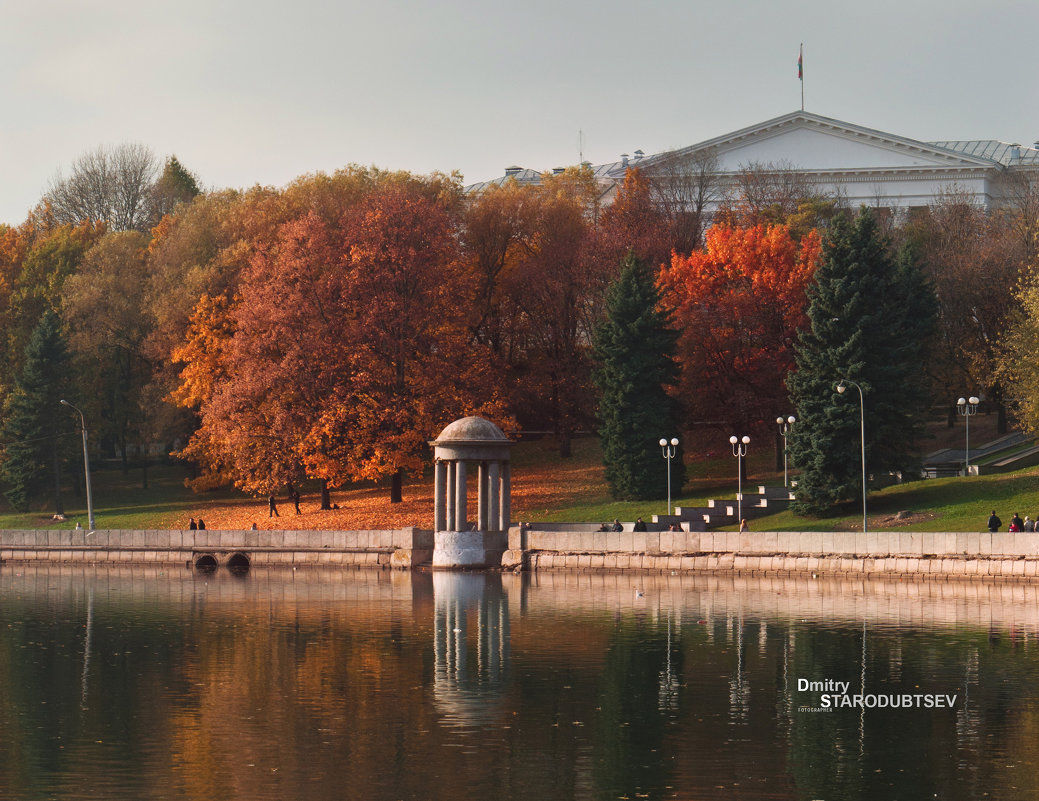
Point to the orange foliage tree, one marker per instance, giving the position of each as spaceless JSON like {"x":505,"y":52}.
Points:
{"x":738,"y":304}
{"x":634,"y":223}
{"x":345,"y":349}
{"x":556,"y":288}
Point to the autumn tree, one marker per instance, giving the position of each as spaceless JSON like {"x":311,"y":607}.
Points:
{"x":555,"y":289}
{"x":14,"y":244}
{"x":105,"y":304}
{"x":346,"y":347}
{"x":738,"y":304}
{"x":52,"y":257}
{"x":634,"y":347}
{"x":497,"y":235}
{"x":633,"y":223}
{"x":200,"y":251}
{"x":1018,"y":369}
{"x":871,"y":317}
{"x":974,"y":259}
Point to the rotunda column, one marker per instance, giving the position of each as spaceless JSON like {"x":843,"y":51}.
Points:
{"x":439,"y":496}
{"x":449,"y":497}
{"x":493,"y":495}
{"x":461,"y":524}
{"x":506,"y":497}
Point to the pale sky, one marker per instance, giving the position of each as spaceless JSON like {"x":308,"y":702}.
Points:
{"x":261,"y":92}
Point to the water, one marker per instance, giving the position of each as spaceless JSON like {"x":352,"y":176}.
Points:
{"x":139,"y":683}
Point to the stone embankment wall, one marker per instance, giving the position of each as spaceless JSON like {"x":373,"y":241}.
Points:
{"x":889,"y":554}
{"x":401,"y":548}
{"x":892,"y":554}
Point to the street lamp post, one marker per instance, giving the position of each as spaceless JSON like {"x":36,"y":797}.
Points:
{"x":784,"y":429}
{"x":967,"y":408}
{"x":668,"y":451}
{"x":862,"y":437}
{"x":739,"y":449}
{"x":86,"y":464}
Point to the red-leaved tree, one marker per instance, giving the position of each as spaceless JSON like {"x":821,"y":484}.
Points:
{"x":738,"y":304}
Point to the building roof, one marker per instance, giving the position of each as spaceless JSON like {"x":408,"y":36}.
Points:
{"x":993,"y":150}
{"x":984,"y":154}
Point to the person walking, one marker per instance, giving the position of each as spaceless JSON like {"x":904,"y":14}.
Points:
{"x":1016,"y":523}
{"x":272,"y":507}
{"x":994,"y":522}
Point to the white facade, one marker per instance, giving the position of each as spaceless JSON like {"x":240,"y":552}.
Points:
{"x":860,"y":165}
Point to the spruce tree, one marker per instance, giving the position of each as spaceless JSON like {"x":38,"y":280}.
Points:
{"x":634,"y":353}
{"x":34,"y":422}
{"x":871,"y":318}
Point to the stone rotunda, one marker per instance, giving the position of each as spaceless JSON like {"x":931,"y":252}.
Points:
{"x":457,"y":543}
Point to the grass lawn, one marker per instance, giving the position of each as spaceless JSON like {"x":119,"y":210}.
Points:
{"x":545,"y":488}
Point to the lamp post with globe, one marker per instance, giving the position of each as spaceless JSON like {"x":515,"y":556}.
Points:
{"x":967,"y":407}
{"x":785,"y":424}
{"x":739,"y":450}
{"x":862,"y":435}
{"x":668,"y":451}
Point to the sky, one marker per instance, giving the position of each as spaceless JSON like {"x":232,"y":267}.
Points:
{"x":259,"y":92}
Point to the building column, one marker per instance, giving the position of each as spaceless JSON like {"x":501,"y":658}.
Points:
{"x":439,"y":496}
{"x":493,"y":496}
{"x":506,"y":497}
{"x":481,"y":499}
{"x":461,"y":524}
{"x":449,"y":497}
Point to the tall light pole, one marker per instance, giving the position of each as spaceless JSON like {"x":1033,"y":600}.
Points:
{"x":667,"y":449}
{"x":739,"y":449}
{"x":862,"y":437}
{"x":86,"y":464}
{"x":967,"y":408}
{"x":784,"y":429}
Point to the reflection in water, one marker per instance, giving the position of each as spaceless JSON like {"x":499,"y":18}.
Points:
{"x":469,"y":695}
{"x":137,"y":683}
{"x":86,"y":647}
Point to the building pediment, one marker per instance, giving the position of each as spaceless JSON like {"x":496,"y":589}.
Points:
{"x":810,"y":143}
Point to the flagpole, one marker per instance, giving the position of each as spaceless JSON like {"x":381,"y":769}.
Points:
{"x":801,"y":73}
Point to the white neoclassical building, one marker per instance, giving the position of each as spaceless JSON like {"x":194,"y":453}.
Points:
{"x":858,"y":164}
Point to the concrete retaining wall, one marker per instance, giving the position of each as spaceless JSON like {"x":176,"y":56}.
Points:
{"x":893,"y":554}
{"x":391,"y":547}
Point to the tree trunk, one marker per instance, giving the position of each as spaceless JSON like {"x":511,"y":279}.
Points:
{"x":565,"y":443}
{"x":397,"y":487}
{"x":326,"y":497}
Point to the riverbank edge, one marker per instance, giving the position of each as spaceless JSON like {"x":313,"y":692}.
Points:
{"x":893,"y":554}
{"x":985,"y":555}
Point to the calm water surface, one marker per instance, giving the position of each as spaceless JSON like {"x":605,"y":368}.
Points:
{"x":141,"y":683}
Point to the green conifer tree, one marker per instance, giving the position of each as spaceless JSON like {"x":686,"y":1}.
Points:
{"x":871,"y":318}
{"x":634,"y":353}
{"x":34,"y":424}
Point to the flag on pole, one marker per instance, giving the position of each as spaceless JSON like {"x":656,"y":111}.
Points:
{"x":800,"y":63}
